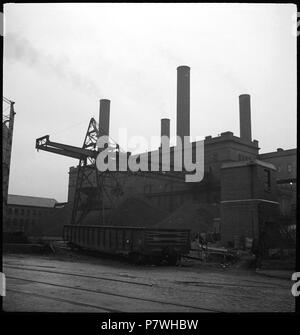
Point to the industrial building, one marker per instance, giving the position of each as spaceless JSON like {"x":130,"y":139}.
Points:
{"x":242,"y":193}
{"x":27,"y":216}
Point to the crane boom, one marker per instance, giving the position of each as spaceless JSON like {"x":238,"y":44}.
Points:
{"x":44,"y":143}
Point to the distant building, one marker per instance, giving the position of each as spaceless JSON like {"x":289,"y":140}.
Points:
{"x":285,"y":162}
{"x":25,"y":214}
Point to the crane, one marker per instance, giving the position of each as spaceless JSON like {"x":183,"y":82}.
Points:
{"x":91,"y":185}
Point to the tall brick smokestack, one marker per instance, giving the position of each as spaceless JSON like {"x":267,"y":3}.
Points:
{"x":104,"y":117}
{"x":245,"y":117}
{"x":183,"y":101}
{"x":165,"y":129}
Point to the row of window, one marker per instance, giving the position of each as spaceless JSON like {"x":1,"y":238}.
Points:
{"x":289,"y":168}
{"x":27,"y":212}
{"x":16,"y":221}
{"x":244,"y":158}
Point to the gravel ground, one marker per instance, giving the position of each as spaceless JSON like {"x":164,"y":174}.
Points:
{"x":70,"y":282}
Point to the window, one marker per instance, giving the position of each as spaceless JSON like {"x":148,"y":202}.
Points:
{"x":34,"y":212}
{"x":244,"y":158}
{"x":267,"y":180}
{"x":147,"y":188}
{"x":9,"y":211}
{"x":289,"y":168}
{"x":214,"y":157}
{"x":16,"y":211}
{"x":28,"y":212}
{"x":22,"y":211}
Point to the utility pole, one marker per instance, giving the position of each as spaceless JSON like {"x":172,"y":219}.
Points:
{"x":7,"y":133}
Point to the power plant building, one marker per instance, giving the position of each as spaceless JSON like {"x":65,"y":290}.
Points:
{"x":241,"y":192}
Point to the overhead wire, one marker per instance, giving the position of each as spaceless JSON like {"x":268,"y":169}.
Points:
{"x":6,"y":100}
{"x":70,"y":127}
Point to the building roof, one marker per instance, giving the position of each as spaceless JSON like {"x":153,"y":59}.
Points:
{"x":246,"y":163}
{"x":24,"y":200}
{"x":279,"y":153}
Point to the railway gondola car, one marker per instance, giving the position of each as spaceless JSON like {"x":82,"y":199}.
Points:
{"x":139,"y":243}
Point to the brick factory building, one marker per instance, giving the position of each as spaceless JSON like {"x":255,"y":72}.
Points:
{"x":27,"y":216}
{"x":241,"y":193}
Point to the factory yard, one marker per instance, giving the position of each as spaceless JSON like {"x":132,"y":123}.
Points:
{"x":73,"y":282}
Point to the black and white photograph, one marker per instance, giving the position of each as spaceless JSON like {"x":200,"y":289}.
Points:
{"x":149,"y":160}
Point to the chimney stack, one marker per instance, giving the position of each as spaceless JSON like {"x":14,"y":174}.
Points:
{"x":165,"y":129}
{"x":104,"y":117}
{"x":183,"y":101}
{"x":245,"y":117}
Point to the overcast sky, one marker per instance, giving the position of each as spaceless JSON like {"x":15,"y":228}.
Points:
{"x":60,"y":59}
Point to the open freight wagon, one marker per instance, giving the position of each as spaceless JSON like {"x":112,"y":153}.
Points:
{"x":140,"y":244}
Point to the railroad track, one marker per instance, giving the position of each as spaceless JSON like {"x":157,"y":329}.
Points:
{"x":101,"y":308}
{"x":206,"y":283}
{"x":78,"y":275}
{"x":194,"y":283}
{"x":183,"y":286}
{"x":202,"y":283}
{"x":98,"y":291}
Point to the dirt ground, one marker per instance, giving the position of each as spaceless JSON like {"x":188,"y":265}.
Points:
{"x":85,"y":283}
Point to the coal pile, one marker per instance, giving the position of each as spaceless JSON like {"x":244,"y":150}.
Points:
{"x":192,"y":215}
{"x":137,"y":212}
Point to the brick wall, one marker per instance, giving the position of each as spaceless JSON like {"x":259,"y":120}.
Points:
{"x":248,"y":199}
